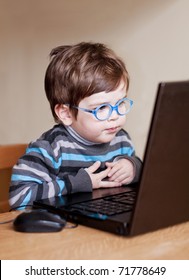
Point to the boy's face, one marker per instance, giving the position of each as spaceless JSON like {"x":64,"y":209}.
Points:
{"x":88,"y":127}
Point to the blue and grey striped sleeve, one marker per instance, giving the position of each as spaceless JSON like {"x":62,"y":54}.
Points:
{"x":36,"y":176}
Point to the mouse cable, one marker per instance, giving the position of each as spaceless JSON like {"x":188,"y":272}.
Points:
{"x":70,"y":225}
{"x":14,"y":209}
{"x":6,"y":222}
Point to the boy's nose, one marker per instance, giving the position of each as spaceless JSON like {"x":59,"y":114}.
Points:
{"x":114,"y":115}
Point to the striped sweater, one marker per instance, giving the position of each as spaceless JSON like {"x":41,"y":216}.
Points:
{"x":54,"y":164}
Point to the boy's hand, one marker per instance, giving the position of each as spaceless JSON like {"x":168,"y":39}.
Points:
{"x":121,"y":171}
{"x":97,"y":178}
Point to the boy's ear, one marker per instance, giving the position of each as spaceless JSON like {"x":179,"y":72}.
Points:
{"x":63,"y":113}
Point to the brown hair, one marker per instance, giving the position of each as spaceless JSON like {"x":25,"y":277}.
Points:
{"x":80,"y":70}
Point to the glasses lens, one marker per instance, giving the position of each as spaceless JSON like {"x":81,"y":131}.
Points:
{"x":103,"y":112}
{"x":124,"y":106}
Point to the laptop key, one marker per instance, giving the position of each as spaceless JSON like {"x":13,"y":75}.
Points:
{"x":103,"y":206}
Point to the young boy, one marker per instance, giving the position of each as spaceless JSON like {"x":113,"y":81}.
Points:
{"x":86,"y":85}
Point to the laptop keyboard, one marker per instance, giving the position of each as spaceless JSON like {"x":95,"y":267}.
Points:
{"x":110,"y":205}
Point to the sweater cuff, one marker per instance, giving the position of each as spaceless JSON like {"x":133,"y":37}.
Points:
{"x":81,"y":182}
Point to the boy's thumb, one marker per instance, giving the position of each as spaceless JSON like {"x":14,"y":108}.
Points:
{"x":93,"y":167}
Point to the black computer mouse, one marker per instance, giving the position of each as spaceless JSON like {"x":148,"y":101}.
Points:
{"x":38,"y":221}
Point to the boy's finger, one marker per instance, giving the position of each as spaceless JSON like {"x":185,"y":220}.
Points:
{"x":115,"y":169}
{"x":110,"y":184}
{"x":91,"y":169}
{"x":110,"y":164}
{"x":103,"y":174}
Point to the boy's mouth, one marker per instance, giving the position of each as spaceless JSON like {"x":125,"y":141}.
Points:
{"x":112,"y":129}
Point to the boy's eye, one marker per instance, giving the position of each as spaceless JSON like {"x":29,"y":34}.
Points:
{"x":103,"y":107}
{"x":122,"y":104}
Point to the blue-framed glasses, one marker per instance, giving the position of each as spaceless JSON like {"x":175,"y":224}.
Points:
{"x":104,"y":111}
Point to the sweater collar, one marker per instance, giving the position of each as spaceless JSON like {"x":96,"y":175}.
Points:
{"x":79,"y":138}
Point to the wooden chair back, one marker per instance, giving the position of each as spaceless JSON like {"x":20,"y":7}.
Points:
{"x":9,"y":155}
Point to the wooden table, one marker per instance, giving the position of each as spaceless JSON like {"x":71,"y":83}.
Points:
{"x":86,"y":243}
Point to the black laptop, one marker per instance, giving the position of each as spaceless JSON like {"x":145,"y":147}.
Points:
{"x":161,"y":198}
